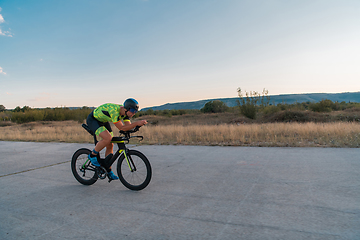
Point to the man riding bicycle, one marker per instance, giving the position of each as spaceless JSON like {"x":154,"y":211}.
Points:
{"x":98,"y":121}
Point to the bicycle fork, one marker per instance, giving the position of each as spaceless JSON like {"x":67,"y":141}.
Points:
{"x":129,"y":160}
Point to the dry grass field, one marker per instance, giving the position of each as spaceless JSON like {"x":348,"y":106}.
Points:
{"x":57,"y":131}
{"x":188,"y":131}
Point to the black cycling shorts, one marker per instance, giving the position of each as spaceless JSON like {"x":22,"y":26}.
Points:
{"x":94,"y":124}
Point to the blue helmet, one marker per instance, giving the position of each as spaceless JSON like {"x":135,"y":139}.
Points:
{"x":131,"y":105}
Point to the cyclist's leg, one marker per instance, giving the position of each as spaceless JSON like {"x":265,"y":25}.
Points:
{"x":110,"y":145}
{"x":104,"y":131}
{"x":100,"y":129}
{"x":94,"y":125}
{"x":109,"y":153}
{"x":107,"y":135}
{"x":104,"y":142}
{"x":94,"y":156}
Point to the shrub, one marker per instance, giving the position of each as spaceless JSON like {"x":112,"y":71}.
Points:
{"x":248,"y":110}
{"x":177,"y":112}
{"x":323,"y":106}
{"x":289,"y":116}
{"x":50,"y":114}
{"x":271,"y":109}
{"x":249,"y":103}
{"x":215,"y":106}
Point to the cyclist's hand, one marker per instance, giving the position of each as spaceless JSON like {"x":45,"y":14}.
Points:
{"x":141,"y":123}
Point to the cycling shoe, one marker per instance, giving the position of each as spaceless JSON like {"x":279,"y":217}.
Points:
{"x":112,"y":176}
{"x":94,"y":161}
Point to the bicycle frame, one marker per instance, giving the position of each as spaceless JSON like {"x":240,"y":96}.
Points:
{"x":122,"y":150}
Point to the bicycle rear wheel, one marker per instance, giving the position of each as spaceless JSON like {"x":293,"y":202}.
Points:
{"x":82,"y":168}
{"x":134,"y":172}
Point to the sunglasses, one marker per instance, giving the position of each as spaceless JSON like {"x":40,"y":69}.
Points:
{"x":132,"y":110}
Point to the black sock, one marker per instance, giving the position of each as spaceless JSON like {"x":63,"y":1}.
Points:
{"x":108,"y":157}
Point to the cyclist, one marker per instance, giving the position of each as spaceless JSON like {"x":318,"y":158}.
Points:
{"x":98,"y":121}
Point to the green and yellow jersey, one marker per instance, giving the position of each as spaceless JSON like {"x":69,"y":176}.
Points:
{"x":109,"y":112}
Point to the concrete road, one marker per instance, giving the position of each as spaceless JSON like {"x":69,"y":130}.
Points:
{"x":195,"y":193}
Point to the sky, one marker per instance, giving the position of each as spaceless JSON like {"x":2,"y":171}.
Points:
{"x":73,"y":53}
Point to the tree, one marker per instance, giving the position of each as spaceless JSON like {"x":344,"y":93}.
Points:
{"x":2,"y":108}
{"x":25,"y":108}
{"x":324,"y":105}
{"x":215,"y":106}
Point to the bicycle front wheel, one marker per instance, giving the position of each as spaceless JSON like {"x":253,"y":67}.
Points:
{"x":134,"y":170}
{"x":82,"y":168}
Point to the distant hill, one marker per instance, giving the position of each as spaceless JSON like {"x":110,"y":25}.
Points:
{"x":275,"y":99}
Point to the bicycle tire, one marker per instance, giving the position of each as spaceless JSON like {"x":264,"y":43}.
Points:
{"x":84,"y":175}
{"x":136,"y":180}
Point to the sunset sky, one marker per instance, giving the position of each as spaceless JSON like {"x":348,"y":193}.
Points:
{"x":86,"y":53}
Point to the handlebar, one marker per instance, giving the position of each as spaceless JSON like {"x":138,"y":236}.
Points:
{"x":130,"y":131}
{"x":127,"y":134}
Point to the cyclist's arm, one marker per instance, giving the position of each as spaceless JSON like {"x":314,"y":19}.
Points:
{"x":127,"y":125}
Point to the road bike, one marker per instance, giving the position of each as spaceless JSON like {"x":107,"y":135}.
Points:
{"x":133,"y":167}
